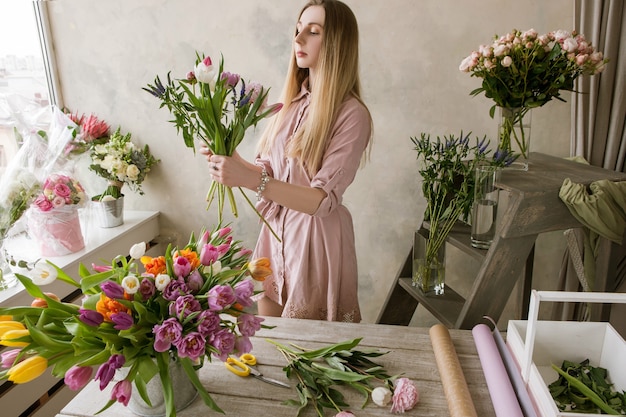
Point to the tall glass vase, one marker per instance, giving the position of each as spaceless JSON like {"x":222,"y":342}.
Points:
{"x":429,"y":263}
{"x":514,"y":135}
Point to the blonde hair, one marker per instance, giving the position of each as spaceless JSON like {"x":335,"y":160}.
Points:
{"x":337,"y":77}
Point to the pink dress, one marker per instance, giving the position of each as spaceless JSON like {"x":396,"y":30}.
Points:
{"x":314,"y":265}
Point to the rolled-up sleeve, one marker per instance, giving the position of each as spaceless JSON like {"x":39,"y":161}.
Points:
{"x":350,"y":136}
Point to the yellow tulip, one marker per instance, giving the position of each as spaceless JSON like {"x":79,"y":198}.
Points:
{"x":8,"y":338}
{"x":5,"y":326}
{"x":5,"y":318}
{"x":260,"y":268}
{"x":28,"y":369}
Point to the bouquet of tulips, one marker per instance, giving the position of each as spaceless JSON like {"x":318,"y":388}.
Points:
{"x":216,"y":107}
{"x":188,"y":305}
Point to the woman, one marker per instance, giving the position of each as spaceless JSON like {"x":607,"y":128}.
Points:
{"x":307,"y":157}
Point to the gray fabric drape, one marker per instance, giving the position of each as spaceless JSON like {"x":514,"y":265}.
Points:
{"x":599,"y":133}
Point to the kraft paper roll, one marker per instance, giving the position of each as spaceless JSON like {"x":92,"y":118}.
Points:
{"x":455,"y":388}
{"x":501,"y":391}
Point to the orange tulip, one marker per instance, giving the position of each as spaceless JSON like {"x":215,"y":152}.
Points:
{"x":28,"y":369}
{"x":41,"y":302}
{"x":154,"y":266}
{"x":259,"y":268}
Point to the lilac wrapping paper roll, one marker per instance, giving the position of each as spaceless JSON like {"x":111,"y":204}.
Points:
{"x":503,"y":396}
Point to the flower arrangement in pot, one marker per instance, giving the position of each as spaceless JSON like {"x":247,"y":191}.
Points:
{"x":120,"y":161}
{"x":53,"y":216}
{"x":525,"y":70}
{"x":186,"y":306}
{"x":447,"y":167}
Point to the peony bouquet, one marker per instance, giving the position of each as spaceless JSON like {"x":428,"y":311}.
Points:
{"x":524,"y":70}
{"x":59,"y":190}
{"x":216,"y":107}
{"x":119,"y":161}
{"x":186,"y":306}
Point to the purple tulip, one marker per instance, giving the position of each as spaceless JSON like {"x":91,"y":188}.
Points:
{"x":192,"y":345}
{"x":8,"y":357}
{"x":243,"y":344}
{"x":166,"y":333}
{"x":106,"y":371}
{"x":112,"y":290}
{"x":175,"y":289}
{"x":90,"y":317}
{"x":147,"y":288}
{"x":182,"y":267}
{"x":231,"y":78}
{"x":221,"y":297}
{"x":204,"y":239}
{"x":77,"y":377}
{"x":208,"y":322}
{"x":122,"y":320}
{"x":122,"y":392}
{"x":223,"y":248}
{"x":224,"y":342}
{"x":184,"y":306}
{"x":244,"y":291}
{"x":195,"y":281}
{"x":100,"y":268}
{"x":224,"y":231}
{"x":208,"y":254}
{"x":249,"y":324}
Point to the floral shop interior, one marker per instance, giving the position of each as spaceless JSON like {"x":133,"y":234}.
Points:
{"x":495,"y":183}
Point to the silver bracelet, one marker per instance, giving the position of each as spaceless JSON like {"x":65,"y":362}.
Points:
{"x":265,"y":178}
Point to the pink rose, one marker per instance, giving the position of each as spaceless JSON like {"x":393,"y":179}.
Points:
{"x":506,"y":61}
{"x":405,"y":396}
{"x":43,"y":203}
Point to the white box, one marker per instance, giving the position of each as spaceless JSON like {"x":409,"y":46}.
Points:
{"x":536,"y":345}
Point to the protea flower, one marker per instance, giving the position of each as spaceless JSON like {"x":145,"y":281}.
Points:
{"x":94,"y":128}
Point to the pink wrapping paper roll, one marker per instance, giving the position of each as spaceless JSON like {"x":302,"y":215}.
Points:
{"x":455,"y":388}
{"x":501,"y":390}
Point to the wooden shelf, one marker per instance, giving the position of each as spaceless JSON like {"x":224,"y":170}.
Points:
{"x":532,"y":207}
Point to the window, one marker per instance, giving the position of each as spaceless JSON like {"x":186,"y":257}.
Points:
{"x":25,"y":75}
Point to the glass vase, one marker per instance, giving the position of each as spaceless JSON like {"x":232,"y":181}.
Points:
{"x":7,"y":277}
{"x":428,"y":271}
{"x":514,"y":135}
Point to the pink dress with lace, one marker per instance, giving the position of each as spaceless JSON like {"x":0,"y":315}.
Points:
{"x":314,"y":265}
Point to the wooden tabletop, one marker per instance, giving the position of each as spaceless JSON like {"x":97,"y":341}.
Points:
{"x":409,"y":352}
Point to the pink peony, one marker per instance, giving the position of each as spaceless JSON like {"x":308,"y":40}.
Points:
{"x":344,"y":414}
{"x":405,"y":396}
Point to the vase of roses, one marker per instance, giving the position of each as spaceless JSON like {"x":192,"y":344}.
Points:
{"x":216,"y":107}
{"x":524,"y":70}
{"x":120,"y":162}
{"x":137,"y":316}
{"x":53,"y":218}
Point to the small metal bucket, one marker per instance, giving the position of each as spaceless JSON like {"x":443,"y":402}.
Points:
{"x":110,"y":213}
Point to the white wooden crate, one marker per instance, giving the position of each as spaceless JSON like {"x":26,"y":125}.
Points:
{"x":536,"y":345}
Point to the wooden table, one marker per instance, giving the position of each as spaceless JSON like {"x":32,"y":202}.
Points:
{"x":410,"y":352}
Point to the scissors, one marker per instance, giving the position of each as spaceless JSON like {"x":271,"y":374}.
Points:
{"x":243,"y":367}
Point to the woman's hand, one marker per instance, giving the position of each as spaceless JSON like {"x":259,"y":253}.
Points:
{"x":232,"y":171}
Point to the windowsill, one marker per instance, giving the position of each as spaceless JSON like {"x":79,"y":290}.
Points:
{"x":101,"y":246}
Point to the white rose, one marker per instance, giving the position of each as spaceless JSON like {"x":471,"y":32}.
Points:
{"x":506,"y":61}
{"x":381,"y":396}
{"x":132,"y":172}
{"x":500,"y":50}
{"x":570,"y":45}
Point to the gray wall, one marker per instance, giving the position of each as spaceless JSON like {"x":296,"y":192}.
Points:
{"x":410,"y":53}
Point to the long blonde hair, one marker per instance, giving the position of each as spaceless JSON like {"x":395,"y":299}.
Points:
{"x":337,"y":77}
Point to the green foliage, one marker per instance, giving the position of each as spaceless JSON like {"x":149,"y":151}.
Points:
{"x":320,"y":372}
{"x":582,"y":388}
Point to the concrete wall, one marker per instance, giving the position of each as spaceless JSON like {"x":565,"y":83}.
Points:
{"x":107,"y":51}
